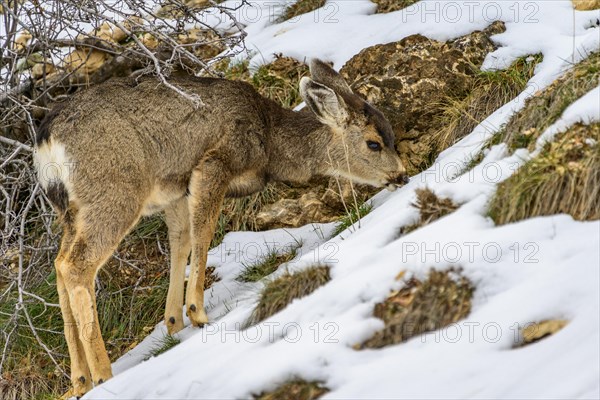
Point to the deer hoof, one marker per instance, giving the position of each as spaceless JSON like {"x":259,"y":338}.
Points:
{"x":103,"y":378}
{"x":197,"y":316}
{"x":80,"y":386}
{"x":174,"y":325}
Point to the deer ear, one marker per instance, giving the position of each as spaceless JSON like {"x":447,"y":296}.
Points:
{"x":329,"y":108}
{"x":322,"y":73}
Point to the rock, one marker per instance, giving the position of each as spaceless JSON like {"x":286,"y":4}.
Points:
{"x":22,"y":41}
{"x":108,"y":33}
{"x":39,"y":70}
{"x":288,"y":213}
{"x":537,"y":331}
{"x":149,"y":40}
{"x":84,"y":61}
{"x":208,"y":43}
{"x":409,"y":80}
{"x":341,"y":194}
{"x":324,"y":200}
{"x":584,"y":5}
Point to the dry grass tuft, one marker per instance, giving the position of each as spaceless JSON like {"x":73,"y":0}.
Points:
{"x":300,"y":7}
{"x":545,"y":107}
{"x":280,"y":292}
{"x":431,"y":208}
{"x":386,"y":6}
{"x":27,"y":384}
{"x":210,"y":277}
{"x":537,"y":331}
{"x":489,"y":91}
{"x":564,"y":178}
{"x":295,"y":390}
{"x":442,"y":299}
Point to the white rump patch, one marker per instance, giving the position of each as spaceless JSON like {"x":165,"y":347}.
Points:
{"x":52,"y":164}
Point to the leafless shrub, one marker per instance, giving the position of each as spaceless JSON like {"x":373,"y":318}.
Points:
{"x":48,"y":51}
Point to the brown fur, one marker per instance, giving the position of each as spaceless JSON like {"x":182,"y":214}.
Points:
{"x":139,"y":148}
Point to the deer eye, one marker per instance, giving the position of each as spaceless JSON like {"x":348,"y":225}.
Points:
{"x":373,"y":145}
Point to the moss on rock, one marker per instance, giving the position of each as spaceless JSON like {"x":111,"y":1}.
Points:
{"x":410,"y":81}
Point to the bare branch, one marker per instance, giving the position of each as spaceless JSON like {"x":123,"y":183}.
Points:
{"x":50,"y":50}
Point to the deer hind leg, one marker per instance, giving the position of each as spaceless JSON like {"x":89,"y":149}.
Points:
{"x":96,"y":236}
{"x":207,"y":191}
{"x":80,"y":372}
{"x":178,"y":222}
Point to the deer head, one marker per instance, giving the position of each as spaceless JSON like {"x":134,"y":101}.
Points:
{"x":362,"y":146}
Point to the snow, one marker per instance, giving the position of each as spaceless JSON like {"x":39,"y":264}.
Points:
{"x":541,"y":268}
{"x":553,"y":28}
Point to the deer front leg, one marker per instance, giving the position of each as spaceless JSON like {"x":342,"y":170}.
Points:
{"x":207,"y":191}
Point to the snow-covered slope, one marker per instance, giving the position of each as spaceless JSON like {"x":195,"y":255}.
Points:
{"x":542,"y":268}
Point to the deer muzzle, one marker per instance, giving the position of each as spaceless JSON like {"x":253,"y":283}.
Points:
{"x":397,"y":182}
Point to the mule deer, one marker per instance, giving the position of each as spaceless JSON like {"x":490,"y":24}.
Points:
{"x":125,"y":149}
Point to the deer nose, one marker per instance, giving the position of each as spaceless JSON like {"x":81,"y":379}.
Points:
{"x":400,"y":180}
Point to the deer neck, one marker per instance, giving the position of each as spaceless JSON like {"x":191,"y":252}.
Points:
{"x":298,"y":148}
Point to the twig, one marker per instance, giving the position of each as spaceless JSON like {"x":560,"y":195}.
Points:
{"x":20,"y":304}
